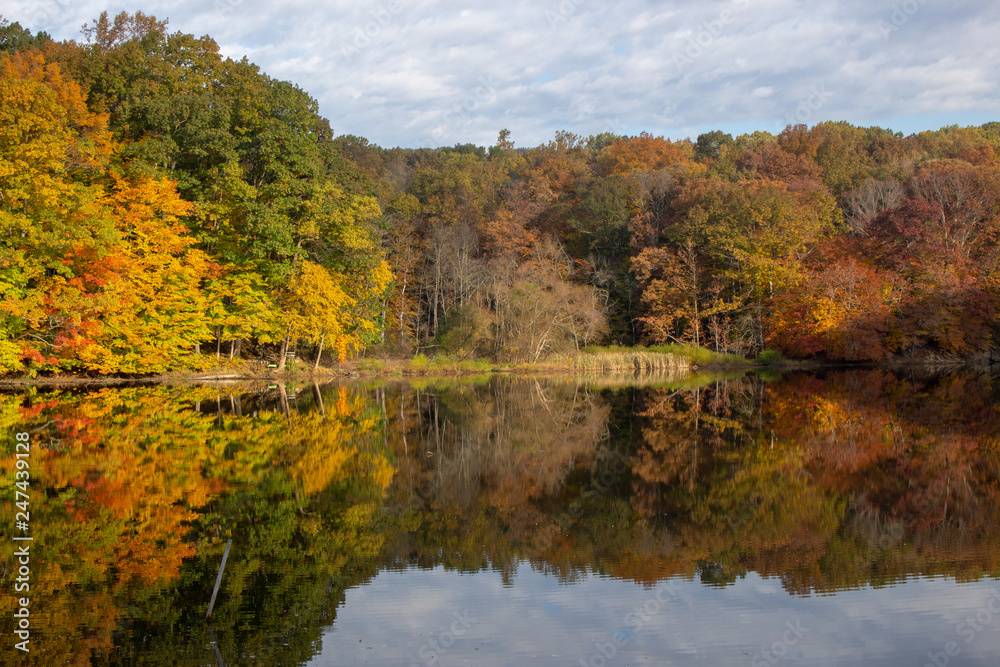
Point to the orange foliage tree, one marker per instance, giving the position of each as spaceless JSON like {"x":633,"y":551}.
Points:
{"x":53,"y":152}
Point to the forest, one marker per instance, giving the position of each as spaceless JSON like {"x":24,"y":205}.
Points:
{"x":164,"y":207}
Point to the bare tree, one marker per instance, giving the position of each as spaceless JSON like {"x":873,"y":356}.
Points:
{"x":869,"y":200}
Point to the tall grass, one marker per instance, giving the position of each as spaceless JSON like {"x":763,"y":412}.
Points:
{"x":636,"y":361}
{"x":691,"y":354}
{"x":663,"y":362}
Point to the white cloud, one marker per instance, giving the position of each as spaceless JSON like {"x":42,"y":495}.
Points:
{"x":395,"y":72}
{"x":535,"y":619}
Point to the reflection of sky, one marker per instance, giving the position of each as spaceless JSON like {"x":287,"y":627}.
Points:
{"x":538,"y":621}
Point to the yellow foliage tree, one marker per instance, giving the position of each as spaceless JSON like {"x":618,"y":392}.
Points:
{"x":159,"y":310}
{"x":52,"y":224}
{"x":325,"y":306}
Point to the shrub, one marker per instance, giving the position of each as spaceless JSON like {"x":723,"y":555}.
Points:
{"x":420,"y":363}
{"x":466,"y":333}
{"x":769,"y":357}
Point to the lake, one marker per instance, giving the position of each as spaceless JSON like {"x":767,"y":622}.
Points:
{"x":836,"y":518}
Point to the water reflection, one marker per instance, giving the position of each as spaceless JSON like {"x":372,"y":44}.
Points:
{"x":407,"y":617}
{"x":133,"y":495}
{"x":861,"y":484}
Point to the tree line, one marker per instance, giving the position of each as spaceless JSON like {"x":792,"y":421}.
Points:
{"x":161,"y":201}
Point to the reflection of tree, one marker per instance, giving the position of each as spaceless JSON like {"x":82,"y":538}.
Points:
{"x":134,"y":494}
{"x":826,"y":483}
{"x":918,"y":460}
{"x":676,"y":425}
{"x":707,"y":464}
{"x":520,"y":438}
{"x":515,"y":469}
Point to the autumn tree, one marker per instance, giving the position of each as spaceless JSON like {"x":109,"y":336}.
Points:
{"x":749,"y":238}
{"x":13,"y":37}
{"x":865,"y":203}
{"x":642,"y":153}
{"x":321,"y":307}
{"x":158,"y":313}
{"x":545,"y":312}
{"x":55,"y":224}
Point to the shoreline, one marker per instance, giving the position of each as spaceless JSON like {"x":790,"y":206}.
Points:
{"x":401,"y":368}
{"x":350,"y":371}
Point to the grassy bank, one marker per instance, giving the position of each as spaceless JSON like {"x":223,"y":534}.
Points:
{"x":660,"y":361}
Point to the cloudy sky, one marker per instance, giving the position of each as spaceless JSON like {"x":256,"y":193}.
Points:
{"x":534,"y":619}
{"x":428,"y":73}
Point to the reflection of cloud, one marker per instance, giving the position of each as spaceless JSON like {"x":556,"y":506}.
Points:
{"x":599,"y":61}
{"x":538,"y":621}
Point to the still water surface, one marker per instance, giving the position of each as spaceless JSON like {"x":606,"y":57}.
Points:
{"x":844,"y":518}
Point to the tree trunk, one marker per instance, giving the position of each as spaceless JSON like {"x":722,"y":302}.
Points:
{"x":319,"y":354}
{"x":690,"y":257}
{"x":694,"y":297}
{"x":385,"y":307}
{"x":402,"y":311}
{"x":437,"y":292}
{"x":760,"y":324}
{"x":284,"y":353}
